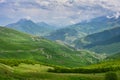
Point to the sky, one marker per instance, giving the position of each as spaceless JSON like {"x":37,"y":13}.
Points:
{"x":57,"y":12}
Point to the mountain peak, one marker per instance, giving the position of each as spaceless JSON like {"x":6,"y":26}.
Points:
{"x":42,"y":23}
{"x":24,"y":20}
{"x":28,"y":26}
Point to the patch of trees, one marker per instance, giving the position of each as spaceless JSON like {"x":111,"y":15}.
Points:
{"x":111,"y":76}
{"x":83,"y":70}
{"x":16,"y":62}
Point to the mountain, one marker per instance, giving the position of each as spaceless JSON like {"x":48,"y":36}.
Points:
{"x":114,"y":56}
{"x":73,"y":32}
{"x":107,"y":41}
{"x":30,"y":27}
{"x":66,"y":35}
{"x":46,"y":27}
{"x":18,"y":45}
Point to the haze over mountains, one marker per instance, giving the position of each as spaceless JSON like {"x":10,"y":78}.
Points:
{"x":73,"y":32}
{"x":107,"y":41}
{"x":100,"y":34}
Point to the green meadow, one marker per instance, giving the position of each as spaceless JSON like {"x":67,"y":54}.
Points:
{"x":39,"y":72}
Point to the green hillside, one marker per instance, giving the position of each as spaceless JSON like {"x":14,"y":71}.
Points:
{"x":114,"y":56}
{"x":17,"y":45}
{"x":26,"y":52}
{"x":107,"y":41}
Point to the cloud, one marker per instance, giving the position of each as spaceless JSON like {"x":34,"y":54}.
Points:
{"x":59,"y":17}
{"x":2,"y":1}
{"x":58,"y":11}
{"x":28,"y":17}
{"x":72,"y":22}
{"x":116,"y":15}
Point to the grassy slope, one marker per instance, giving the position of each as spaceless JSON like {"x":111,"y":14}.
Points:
{"x":38,"y":72}
{"x":105,"y":64}
{"x":107,"y":41}
{"x":114,"y":56}
{"x":17,"y":45}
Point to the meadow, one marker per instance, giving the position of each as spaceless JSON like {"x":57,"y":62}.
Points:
{"x":28,"y":71}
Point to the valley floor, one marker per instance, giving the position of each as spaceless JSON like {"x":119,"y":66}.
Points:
{"x":39,"y":72}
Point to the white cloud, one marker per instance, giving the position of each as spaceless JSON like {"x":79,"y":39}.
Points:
{"x":59,"y":11}
{"x":115,"y":15}
{"x":28,"y":17}
{"x":72,"y":22}
{"x":59,"y":17}
{"x":2,"y":1}
{"x":42,"y":2}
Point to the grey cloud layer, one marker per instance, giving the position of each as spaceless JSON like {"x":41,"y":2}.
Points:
{"x":57,"y":11}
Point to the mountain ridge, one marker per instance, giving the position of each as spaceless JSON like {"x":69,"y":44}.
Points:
{"x":104,"y":41}
{"x":73,"y":32}
{"x":31,"y":27}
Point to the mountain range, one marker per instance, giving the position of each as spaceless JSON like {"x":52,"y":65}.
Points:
{"x":107,"y":41}
{"x":100,"y":34}
{"x":28,"y":26}
{"x":70,"y":33}
{"x":22,"y":52}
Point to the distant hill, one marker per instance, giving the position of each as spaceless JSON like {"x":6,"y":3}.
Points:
{"x":30,"y":27}
{"x":114,"y":56}
{"x":18,"y":45}
{"x":107,"y":41}
{"x":73,"y":32}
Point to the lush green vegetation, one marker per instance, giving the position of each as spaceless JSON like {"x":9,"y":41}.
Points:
{"x":17,"y":45}
{"x":111,"y":76}
{"x":83,"y":70}
{"x":39,"y":72}
{"x":27,"y":57}
{"x":114,"y":56}
{"x":34,"y":72}
{"x":102,"y":67}
{"x":16,"y":62}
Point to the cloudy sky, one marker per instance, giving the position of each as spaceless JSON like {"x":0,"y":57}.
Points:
{"x":59,"y":12}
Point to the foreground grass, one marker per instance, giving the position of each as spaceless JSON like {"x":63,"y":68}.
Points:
{"x":33,"y":72}
{"x":39,"y":72}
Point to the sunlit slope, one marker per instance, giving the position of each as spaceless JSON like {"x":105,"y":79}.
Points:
{"x":17,"y":45}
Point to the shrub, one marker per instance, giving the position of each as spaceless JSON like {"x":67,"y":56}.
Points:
{"x":111,"y":76}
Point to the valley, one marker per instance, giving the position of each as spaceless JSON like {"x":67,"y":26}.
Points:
{"x":73,"y":32}
{"x":45,"y":59}
{"x":59,"y":40}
